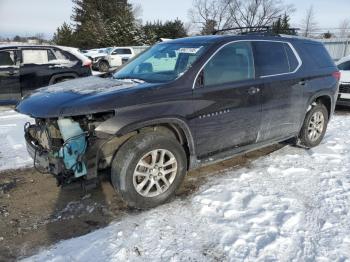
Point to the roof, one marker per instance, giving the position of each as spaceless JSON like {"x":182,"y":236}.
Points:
{"x":228,"y":38}
{"x":5,"y":46}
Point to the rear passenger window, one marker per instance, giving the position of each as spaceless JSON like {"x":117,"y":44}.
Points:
{"x":232,"y":63}
{"x":35,"y":56}
{"x":270,"y":58}
{"x":122,"y":52}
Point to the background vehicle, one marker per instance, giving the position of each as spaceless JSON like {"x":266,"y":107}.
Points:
{"x":179,"y":105}
{"x":113,"y":57}
{"x":26,"y":68}
{"x":344,"y":86}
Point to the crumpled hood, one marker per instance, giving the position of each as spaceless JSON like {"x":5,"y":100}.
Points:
{"x":96,"y":55}
{"x":78,"y":97}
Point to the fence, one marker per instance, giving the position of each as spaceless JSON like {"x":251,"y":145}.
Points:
{"x":337,"y":48}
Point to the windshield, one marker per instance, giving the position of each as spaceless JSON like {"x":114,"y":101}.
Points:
{"x":162,"y":63}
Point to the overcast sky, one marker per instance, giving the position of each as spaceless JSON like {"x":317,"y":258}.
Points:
{"x":27,"y":17}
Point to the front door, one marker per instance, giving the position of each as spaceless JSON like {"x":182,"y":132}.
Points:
{"x":227,"y":101}
{"x":10,"y":89}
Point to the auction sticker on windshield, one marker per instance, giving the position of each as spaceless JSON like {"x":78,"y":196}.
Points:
{"x":188,"y":50}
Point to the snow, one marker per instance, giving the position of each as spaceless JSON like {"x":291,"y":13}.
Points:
{"x":292,"y":205}
{"x":13,"y":152}
{"x":87,"y":85}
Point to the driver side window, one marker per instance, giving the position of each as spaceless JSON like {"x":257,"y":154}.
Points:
{"x":8,"y":58}
{"x":232,"y":63}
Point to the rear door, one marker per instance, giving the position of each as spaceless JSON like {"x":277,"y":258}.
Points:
{"x":37,"y":67}
{"x":276,"y":64}
{"x":227,"y":101}
{"x":10,"y":89}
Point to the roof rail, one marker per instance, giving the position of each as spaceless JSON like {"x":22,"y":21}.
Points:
{"x":256,"y":30}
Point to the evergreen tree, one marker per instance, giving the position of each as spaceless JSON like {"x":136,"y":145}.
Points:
{"x":173,"y":29}
{"x":64,"y":35}
{"x":95,"y":20}
{"x":99,"y":24}
{"x":282,"y":26}
{"x":153,"y":32}
{"x":102,"y":23}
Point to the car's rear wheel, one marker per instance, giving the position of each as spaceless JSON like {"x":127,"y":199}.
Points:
{"x":63,"y":79}
{"x":148,"y":169}
{"x":103,"y":66}
{"x":314,"y":127}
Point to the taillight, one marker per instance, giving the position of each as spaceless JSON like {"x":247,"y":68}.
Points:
{"x":87,"y":63}
{"x":336,"y":75}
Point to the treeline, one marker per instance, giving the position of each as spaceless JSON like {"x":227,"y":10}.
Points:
{"x":115,"y":22}
{"x":112,"y":23}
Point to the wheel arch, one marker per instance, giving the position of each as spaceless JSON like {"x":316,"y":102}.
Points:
{"x":177,"y":126}
{"x":58,"y":76}
{"x":326,"y":99}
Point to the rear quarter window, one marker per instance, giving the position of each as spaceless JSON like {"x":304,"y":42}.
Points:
{"x":318,"y":54}
{"x":293,"y":61}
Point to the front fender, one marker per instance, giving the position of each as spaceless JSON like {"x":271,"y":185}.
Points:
{"x":120,"y":126}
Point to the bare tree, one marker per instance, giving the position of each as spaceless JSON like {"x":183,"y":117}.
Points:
{"x":309,"y":24}
{"x":257,"y":13}
{"x":344,"y":28}
{"x":204,"y":12}
{"x":236,"y":13}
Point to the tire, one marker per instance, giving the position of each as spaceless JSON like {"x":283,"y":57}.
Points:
{"x":103,"y":66}
{"x":311,"y":134}
{"x":63,"y":79}
{"x":127,"y":161}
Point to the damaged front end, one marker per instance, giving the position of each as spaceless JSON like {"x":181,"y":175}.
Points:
{"x":65,"y":147}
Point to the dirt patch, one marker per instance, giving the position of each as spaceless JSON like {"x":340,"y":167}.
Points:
{"x":34,"y":213}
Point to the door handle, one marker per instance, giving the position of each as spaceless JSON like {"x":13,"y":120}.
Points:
{"x":302,"y":82}
{"x":253,"y":90}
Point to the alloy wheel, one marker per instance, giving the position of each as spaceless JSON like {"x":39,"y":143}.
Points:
{"x":155,"y":172}
{"x":316,"y":126}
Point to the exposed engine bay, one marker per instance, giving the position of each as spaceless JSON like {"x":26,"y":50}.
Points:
{"x":68,"y":148}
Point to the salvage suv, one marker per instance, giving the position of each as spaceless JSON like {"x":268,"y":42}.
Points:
{"x":180,"y":105}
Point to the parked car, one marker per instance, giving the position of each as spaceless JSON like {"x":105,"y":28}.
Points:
{"x":26,"y":68}
{"x":344,"y":87}
{"x":180,"y":105}
{"x":113,"y":57}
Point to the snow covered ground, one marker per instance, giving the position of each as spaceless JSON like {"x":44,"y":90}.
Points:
{"x":13,"y":152}
{"x":292,"y":205}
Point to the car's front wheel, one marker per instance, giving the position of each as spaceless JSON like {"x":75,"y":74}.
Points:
{"x":148,"y":169}
{"x":103,"y":66}
{"x":314,"y":127}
